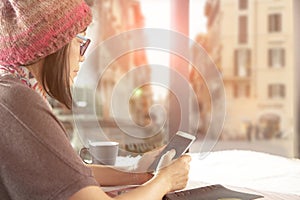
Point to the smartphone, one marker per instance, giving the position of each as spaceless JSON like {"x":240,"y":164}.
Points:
{"x":181,"y":141}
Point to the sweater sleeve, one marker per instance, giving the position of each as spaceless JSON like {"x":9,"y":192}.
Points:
{"x":37,"y":160}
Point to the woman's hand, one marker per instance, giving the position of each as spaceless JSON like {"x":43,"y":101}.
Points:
{"x":166,"y":159}
{"x":147,"y":159}
{"x":169,"y":178}
{"x":176,"y":173}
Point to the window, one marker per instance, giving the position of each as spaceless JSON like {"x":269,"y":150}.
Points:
{"x":243,"y":4}
{"x":243,"y":29}
{"x":276,"y":57}
{"x":276,"y":91}
{"x":269,"y":124}
{"x":275,"y":23}
{"x":242,"y":62}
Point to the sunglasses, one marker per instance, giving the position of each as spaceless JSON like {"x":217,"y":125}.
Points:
{"x":84,"y":45}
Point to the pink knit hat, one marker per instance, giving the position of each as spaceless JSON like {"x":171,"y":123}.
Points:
{"x":32,"y":29}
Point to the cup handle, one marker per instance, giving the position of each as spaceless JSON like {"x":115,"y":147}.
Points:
{"x":84,"y":153}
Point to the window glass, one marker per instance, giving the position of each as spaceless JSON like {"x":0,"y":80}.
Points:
{"x":242,"y":62}
{"x":251,"y":43}
{"x":276,"y":91}
{"x":243,"y":29}
{"x":243,"y":4}
{"x":274,"y":23}
{"x":276,"y":57}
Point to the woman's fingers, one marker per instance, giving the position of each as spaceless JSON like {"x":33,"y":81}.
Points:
{"x":147,"y":159}
{"x":177,"y":172}
{"x":166,"y":159}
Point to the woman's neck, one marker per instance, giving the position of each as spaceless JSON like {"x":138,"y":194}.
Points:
{"x":36,"y":70}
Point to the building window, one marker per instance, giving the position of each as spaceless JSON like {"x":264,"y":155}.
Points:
{"x":275,"y":22}
{"x":276,"y":57}
{"x":276,"y":91}
{"x":243,"y":29}
{"x":242,"y":62}
{"x":269,"y":126}
{"x":243,"y":4}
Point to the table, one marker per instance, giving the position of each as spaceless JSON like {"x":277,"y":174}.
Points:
{"x":274,"y":177}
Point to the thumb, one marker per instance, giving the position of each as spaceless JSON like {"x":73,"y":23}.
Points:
{"x":166,"y":159}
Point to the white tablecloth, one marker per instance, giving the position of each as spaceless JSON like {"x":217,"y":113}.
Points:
{"x":246,"y":169}
{"x":275,"y":177}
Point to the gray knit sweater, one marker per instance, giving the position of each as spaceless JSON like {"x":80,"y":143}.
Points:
{"x":37,"y":161}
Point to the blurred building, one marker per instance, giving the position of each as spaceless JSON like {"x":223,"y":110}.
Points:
{"x":251,"y":42}
{"x":202,"y":105}
{"x":112,"y":17}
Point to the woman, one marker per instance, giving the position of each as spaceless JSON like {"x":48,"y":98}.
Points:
{"x":40,"y":44}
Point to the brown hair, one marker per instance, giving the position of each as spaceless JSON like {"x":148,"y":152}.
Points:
{"x":56,"y":76}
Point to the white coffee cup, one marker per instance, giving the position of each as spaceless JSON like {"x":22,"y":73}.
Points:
{"x":102,"y":152}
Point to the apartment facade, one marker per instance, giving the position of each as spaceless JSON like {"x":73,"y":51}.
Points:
{"x":251,"y":42}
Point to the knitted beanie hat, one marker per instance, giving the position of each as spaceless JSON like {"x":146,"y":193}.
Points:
{"x":32,"y":29}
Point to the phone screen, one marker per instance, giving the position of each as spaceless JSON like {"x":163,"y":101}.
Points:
{"x":179,"y":142}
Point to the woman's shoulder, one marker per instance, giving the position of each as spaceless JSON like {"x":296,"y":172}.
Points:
{"x":16,"y":96}
{"x":11,"y":85}
{"x":22,"y":101}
